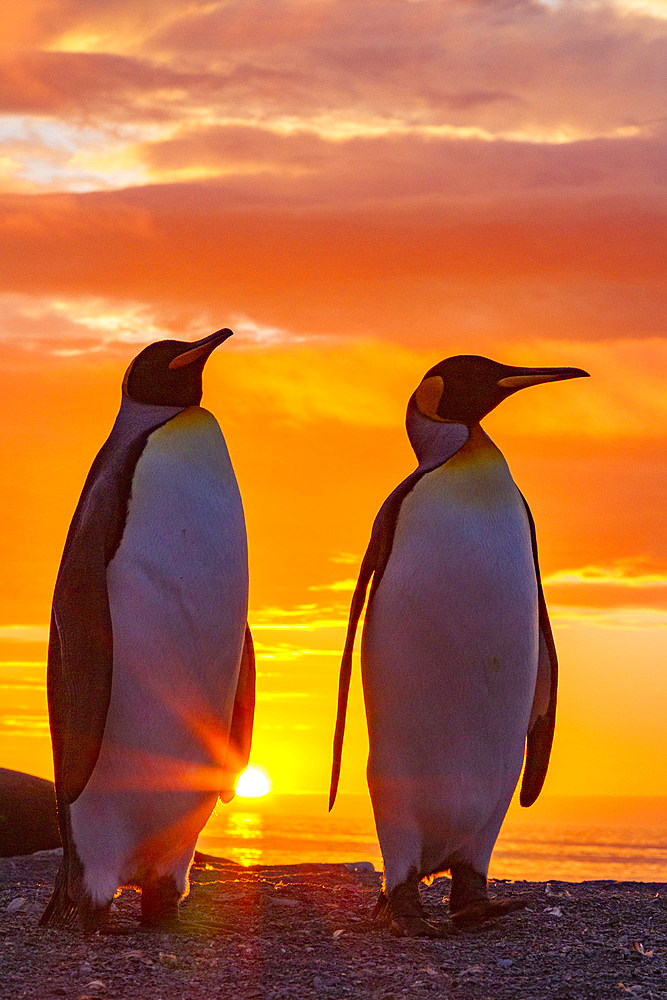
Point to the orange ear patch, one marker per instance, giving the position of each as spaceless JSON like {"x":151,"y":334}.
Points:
{"x":428,"y":395}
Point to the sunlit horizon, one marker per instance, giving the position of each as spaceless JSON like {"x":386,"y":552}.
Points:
{"x":254,"y":783}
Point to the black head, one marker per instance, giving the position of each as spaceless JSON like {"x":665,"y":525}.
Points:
{"x":465,"y":388}
{"x":169,"y":373}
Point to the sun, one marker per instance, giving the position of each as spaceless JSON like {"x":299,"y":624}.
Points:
{"x":254,"y":783}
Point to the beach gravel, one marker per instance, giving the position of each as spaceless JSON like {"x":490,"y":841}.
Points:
{"x":297,"y":932}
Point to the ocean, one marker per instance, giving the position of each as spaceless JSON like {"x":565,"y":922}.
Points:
{"x":572,"y":839}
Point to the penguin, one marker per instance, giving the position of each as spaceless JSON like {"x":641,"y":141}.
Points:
{"x":151,"y":672}
{"x":459,"y":666}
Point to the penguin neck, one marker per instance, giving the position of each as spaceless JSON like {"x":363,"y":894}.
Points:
{"x":478,"y":447}
{"x":434,"y":442}
{"x":138,"y":418}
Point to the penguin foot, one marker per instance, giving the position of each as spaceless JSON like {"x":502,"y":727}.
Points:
{"x":481,"y":911}
{"x":402,"y":901}
{"x":382,"y":912}
{"x":402,"y":912}
{"x":71,"y":912}
{"x":402,"y":926}
{"x":159,"y":904}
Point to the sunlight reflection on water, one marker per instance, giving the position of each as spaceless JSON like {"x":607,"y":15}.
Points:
{"x":243,"y":835}
{"x":526,"y":849}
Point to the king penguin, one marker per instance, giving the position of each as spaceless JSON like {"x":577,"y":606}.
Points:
{"x":151,"y":673}
{"x":459,"y":668}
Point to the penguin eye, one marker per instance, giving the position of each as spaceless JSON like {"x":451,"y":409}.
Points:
{"x":428,"y":396}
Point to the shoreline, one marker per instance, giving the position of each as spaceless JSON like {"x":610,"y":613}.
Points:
{"x":296,"y":932}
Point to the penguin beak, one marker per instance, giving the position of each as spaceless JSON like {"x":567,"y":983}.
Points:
{"x":200,"y":349}
{"x":534,"y":376}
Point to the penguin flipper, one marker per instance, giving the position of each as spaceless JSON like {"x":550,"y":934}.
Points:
{"x":80,"y":665}
{"x":243,"y":714}
{"x":75,"y":745}
{"x":80,"y":659}
{"x":368,"y":567}
{"x":539,"y":737}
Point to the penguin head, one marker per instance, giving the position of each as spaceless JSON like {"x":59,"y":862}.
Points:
{"x":169,"y":372}
{"x":463,"y":389}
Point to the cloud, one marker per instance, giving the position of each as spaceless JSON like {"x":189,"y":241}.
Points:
{"x":285,"y":652}
{"x":418,"y":268}
{"x":335,"y":69}
{"x":304,"y":617}
{"x":406,"y":161}
{"x":346,"y":558}
{"x":430,"y":61}
{"x":620,"y":575}
{"x":344,"y":167}
{"x":24,"y":633}
{"x":630,"y":587}
{"x":86,"y":86}
{"x":338,"y":586}
{"x":623,"y":400}
{"x":24,"y":725}
{"x":303,"y":378}
{"x":356,"y":383}
{"x":260,"y":335}
{"x":424,"y":62}
{"x":633,"y":619}
{"x":281,"y":695}
{"x":67,"y":327}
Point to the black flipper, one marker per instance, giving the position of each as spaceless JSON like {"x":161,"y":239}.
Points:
{"x":543,"y":716}
{"x":240,"y":733}
{"x":368,"y":567}
{"x":453,"y":436}
{"x":80,"y":657}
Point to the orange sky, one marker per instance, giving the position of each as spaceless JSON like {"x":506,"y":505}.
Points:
{"x":359,"y":189}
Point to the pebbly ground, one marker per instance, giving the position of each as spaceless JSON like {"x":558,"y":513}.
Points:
{"x":304,"y":931}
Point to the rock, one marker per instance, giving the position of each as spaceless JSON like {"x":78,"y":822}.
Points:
{"x":28,"y":820}
{"x":202,"y":859}
{"x":168,"y":960}
{"x":360,"y":866}
{"x":16,"y":905}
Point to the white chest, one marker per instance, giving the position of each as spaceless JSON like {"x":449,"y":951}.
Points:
{"x":178,"y":583}
{"x":458,"y":598}
{"x":463,"y":536}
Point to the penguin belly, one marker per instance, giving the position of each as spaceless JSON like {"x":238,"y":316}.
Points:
{"x":178,"y":591}
{"x":449,"y":665}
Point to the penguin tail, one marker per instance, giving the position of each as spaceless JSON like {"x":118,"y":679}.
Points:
{"x":61,"y":909}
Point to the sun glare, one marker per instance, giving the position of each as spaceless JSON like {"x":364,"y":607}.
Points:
{"x":254,"y":783}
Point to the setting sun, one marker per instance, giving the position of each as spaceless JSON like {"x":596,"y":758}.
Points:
{"x":254,"y":783}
